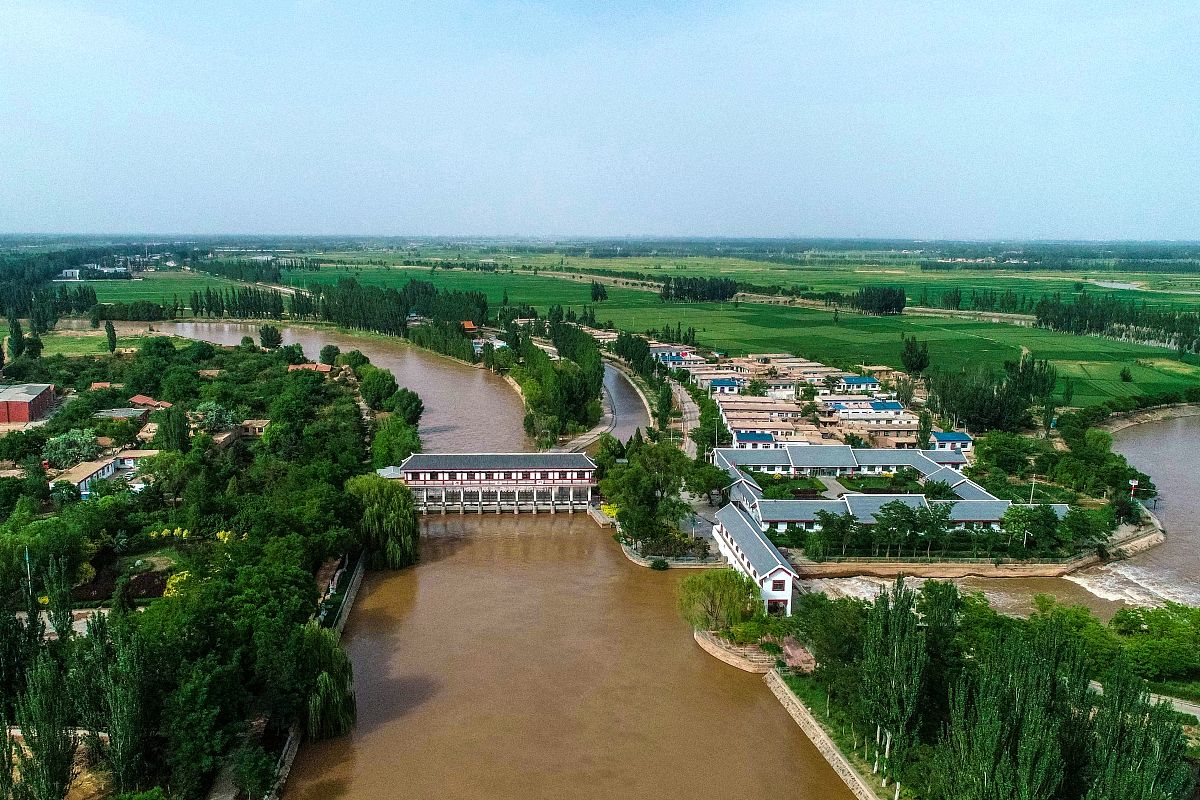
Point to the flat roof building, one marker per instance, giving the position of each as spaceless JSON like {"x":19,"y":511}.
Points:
{"x":25,"y":402}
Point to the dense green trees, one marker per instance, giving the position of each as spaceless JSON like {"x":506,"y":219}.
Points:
{"x":914,"y":355}
{"x":70,"y":448}
{"x":646,"y":492}
{"x":270,"y":337}
{"x":376,"y":385}
{"x":394,"y":440}
{"x":987,"y":707}
{"x":698,"y":289}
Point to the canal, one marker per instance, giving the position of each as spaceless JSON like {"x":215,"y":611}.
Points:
{"x":525,"y":657}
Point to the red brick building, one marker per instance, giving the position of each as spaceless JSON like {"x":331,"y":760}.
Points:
{"x":25,"y":402}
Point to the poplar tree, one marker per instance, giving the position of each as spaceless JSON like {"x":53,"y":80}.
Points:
{"x":893,"y":663}
{"x":16,"y":338}
{"x":111,"y":334}
{"x":1139,"y":752}
{"x":44,"y":714}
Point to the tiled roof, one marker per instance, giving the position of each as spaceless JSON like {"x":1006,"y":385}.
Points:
{"x":762,"y":555}
{"x":865,"y":506}
{"x":449,"y":462}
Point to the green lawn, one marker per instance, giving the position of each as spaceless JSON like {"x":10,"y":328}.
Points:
{"x":84,"y":343}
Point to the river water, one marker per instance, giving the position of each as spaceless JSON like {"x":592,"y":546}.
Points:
{"x":525,"y":657}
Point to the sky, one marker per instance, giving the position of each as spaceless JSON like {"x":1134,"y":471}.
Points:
{"x":967,"y":120}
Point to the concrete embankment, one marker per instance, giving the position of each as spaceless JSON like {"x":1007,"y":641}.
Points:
{"x":748,"y":658}
{"x":820,"y":739}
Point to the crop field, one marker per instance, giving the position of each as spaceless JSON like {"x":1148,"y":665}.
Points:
{"x":522,"y":287}
{"x":1093,"y":363}
{"x":155,"y":287}
{"x":845,"y":271}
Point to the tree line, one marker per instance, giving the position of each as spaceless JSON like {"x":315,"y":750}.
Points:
{"x":698,"y":289}
{"x":1109,"y":315}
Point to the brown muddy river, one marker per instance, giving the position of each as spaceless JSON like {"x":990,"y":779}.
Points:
{"x":525,"y":657}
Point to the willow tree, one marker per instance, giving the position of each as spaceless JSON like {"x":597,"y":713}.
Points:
{"x":388,"y":527}
{"x":331,"y":707}
{"x":893,"y":663}
{"x":717,"y":599}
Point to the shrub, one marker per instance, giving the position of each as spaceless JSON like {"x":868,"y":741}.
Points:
{"x":659,"y":564}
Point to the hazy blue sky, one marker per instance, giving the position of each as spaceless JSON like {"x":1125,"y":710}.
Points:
{"x":1033,"y":120}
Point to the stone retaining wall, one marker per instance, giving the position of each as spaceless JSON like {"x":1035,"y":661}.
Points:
{"x":748,"y":659}
{"x":820,"y":739}
{"x":673,"y":563}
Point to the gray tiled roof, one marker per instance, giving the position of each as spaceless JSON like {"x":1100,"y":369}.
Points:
{"x":761,"y":554}
{"x":946,"y":475}
{"x":745,"y":490}
{"x":449,"y":462}
{"x":945,"y":456}
{"x":821,"y":455}
{"x":796,"y":510}
{"x":974,"y":510}
{"x":970,"y":490}
{"x":755,"y":458}
{"x":864,"y":506}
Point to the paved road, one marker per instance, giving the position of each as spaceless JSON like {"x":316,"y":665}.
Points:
{"x":629,"y":413}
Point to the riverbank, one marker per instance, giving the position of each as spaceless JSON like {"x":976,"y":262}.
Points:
{"x":1127,"y":419}
{"x":820,"y":738}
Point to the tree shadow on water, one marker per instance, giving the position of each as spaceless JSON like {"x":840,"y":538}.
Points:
{"x":388,"y":700}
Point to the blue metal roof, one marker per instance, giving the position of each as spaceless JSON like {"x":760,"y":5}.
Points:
{"x":752,"y":436}
{"x":886,"y":405}
{"x":950,"y":436}
{"x":723,"y":382}
{"x":858,"y":380}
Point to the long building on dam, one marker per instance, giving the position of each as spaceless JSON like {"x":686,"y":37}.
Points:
{"x":497,"y":482}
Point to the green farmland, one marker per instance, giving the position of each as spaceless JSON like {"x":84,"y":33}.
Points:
{"x":156,"y":287}
{"x":844,"y":271}
{"x":1094,"y":363}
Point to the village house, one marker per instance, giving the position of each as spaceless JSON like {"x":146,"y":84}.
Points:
{"x":952,"y":440}
{"x":744,"y":545}
{"x":145,"y":401}
{"x":133,"y":415}
{"x":82,"y":475}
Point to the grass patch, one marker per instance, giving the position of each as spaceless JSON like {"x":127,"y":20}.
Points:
{"x":157,"y":287}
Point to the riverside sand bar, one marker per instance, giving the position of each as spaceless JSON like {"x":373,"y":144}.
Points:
{"x":526,"y":657}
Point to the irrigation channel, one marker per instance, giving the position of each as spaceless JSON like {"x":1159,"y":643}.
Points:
{"x":525,"y":657}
